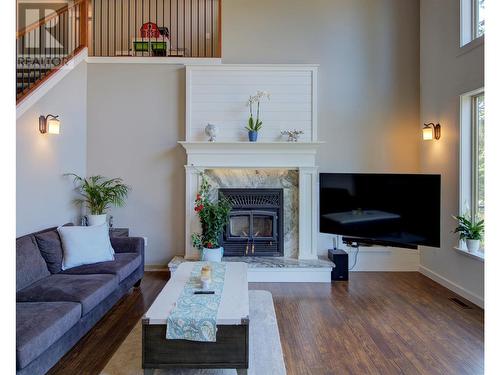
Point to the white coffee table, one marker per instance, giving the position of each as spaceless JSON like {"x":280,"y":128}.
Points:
{"x":231,"y":348}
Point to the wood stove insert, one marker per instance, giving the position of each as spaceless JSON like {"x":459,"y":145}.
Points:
{"x":255,"y":222}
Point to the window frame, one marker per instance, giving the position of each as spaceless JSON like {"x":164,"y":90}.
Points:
{"x":468,"y":166}
{"x":475,"y":20}
{"x":475,"y":154}
{"x":469,"y":23}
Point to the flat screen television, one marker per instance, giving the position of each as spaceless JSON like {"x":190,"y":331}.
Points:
{"x":400,"y":210}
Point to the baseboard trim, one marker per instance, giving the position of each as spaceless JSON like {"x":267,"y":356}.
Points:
{"x":156,"y":268}
{"x":462,"y":292}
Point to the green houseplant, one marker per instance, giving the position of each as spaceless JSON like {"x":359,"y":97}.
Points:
{"x":254,"y":125}
{"x":470,"y":230}
{"x":98,"y":194}
{"x":214,"y":215}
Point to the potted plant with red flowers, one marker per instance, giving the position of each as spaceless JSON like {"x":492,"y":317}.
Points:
{"x":214,"y":215}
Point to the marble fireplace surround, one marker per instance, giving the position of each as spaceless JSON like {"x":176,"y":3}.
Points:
{"x":291,"y":166}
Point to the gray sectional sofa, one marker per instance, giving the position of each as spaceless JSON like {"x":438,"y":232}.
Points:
{"x":55,"y":308}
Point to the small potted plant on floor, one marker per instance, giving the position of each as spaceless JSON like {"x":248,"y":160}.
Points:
{"x":254,"y":125}
{"x":471,"y":231}
{"x":214,"y":215}
{"x":98,"y":194}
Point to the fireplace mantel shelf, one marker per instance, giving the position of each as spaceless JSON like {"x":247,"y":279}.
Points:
{"x":248,"y":146}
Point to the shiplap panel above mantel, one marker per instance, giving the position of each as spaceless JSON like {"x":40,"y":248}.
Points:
{"x":218,"y":94}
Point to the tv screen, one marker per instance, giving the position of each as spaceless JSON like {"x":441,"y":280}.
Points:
{"x":387,"y":209}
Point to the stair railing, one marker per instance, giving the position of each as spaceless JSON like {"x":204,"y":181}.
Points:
{"x":46,"y":46}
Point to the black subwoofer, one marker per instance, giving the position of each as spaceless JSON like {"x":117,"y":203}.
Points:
{"x":341,"y":260}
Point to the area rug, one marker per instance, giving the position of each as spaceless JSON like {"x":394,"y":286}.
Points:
{"x":266,"y":355}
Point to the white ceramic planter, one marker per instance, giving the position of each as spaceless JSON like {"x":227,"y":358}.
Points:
{"x":212,"y":255}
{"x":472,"y":245}
{"x":96,"y":219}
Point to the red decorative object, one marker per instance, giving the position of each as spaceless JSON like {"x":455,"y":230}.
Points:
{"x":150,"y":30}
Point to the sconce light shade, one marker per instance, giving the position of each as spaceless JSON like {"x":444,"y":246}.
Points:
{"x":53,"y":126}
{"x":431,"y":131}
{"x":49,"y":124}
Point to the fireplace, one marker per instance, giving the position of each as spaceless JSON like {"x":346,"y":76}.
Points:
{"x":255,"y":225}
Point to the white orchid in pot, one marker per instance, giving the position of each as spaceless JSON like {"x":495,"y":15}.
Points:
{"x":98,"y":194}
{"x":254,"y":125}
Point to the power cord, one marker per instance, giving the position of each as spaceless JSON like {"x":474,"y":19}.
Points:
{"x":356,"y":246}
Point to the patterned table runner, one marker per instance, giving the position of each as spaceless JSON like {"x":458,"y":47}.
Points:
{"x":194,"y":316}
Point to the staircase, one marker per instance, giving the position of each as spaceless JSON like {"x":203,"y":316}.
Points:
{"x":29,"y":76}
{"x":45,"y":46}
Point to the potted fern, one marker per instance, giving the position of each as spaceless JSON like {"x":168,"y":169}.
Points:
{"x":214,"y":215}
{"x":99,"y":193}
{"x":470,"y":230}
{"x":254,"y":125}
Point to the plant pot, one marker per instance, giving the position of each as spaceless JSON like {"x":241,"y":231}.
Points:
{"x":472,"y":245}
{"x":96,"y":219}
{"x":252,"y":135}
{"x":212,"y":255}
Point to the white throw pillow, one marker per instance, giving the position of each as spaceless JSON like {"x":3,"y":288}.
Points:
{"x":85,"y":245}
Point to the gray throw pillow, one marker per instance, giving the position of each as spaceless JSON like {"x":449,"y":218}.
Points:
{"x":50,"y":247}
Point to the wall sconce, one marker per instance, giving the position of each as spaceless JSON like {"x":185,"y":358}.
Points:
{"x":49,"y":124}
{"x":431,"y":131}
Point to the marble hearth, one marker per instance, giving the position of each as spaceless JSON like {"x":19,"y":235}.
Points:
{"x":277,"y":269}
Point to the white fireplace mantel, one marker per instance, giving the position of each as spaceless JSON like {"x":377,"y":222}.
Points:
{"x":252,"y":154}
{"x":299,"y":156}
{"x":218,"y":94}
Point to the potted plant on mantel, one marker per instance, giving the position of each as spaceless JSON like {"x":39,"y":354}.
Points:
{"x":254,"y":125}
{"x":213,"y":216}
{"x":98,"y":194}
{"x":471,"y":231}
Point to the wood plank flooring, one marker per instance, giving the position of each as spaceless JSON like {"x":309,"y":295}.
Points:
{"x":377,"y":323}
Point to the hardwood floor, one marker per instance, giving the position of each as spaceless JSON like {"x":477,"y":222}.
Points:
{"x":377,"y":323}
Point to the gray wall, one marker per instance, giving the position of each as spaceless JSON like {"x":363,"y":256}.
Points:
{"x":135,"y":118}
{"x":368,"y":109}
{"x":43,"y":196}
{"x":446,"y":73}
{"x":368,"y":51}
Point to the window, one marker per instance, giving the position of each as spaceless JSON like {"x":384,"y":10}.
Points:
{"x":478,"y":12}
{"x":472,"y":18}
{"x":477,"y":206}
{"x":472,"y":170}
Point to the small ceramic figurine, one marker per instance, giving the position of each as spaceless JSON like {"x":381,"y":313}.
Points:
{"x":293,"y":135}
{"x":211,"y":130}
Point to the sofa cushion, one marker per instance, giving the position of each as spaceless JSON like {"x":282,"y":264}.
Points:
{"x":89,"y":290}
{"x":41,"y":324}
{"x":50,"y":247}
{"x":123,"y":265}
{"x":30,"y":266}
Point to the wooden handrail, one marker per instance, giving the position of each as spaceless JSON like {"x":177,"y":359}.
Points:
{"x":43,"y":21}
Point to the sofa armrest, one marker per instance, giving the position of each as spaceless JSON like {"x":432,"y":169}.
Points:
{"x":128,"y":245}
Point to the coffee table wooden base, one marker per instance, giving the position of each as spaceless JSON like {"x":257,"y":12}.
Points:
{"x":229,"y":351}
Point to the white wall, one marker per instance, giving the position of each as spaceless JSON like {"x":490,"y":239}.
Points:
{"x":446,"y":73}
{"x":44,"y":197}
{"x":368,"y":51}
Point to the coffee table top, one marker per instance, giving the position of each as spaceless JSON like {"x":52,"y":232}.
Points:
{"x":234,"y":300}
